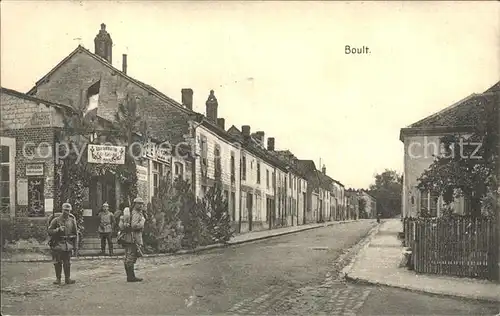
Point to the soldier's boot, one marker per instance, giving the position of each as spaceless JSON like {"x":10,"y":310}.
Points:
{"x":131,"y":274}
{"x":67,"y":274}
{"x":110,"y":246}
{"x":58,"y":268}
{"x":103,"y":247}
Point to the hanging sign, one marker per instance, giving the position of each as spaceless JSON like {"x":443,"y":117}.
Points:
{"x":106,"y":154}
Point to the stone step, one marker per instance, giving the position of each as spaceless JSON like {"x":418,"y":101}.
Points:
{"x":95,"y":252}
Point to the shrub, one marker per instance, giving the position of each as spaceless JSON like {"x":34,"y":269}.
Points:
{"x":217,"y":218}
{"x":163,"y":231}
{"x":7,"y":232}
{"x":27,"y":245}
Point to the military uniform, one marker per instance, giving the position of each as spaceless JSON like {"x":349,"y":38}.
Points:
{"x":63,"y":232}
{"x":132,"y":224}
{"x":106,"y":225}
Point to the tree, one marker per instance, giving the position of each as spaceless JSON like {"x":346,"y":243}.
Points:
{"x":467,"y":166}
{"x":387,"y":190}
{"x":215,"y":205}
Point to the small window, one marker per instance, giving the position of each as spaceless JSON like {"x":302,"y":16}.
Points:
{"x":179,"y":170}
{"x":243,"y":168}
{"x":258,"y":172}
{"x":233,"y":169}
{"x":93,"y":96}
{"x":267,"y":178}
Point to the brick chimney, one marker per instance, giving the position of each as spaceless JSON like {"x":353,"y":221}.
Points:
{"x":221,"y":122}
{"x":104,"y":44}
{"x":245,"y":130}
{"x":323,"y":169}
{"x":270,"y":143}
{"x":260,"y":137}
{"x":187,"y":98}
{"x":124,"y":64}
{"x":211,"y":107}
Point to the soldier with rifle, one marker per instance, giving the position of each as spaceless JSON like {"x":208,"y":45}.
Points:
{"x":63,"y":232}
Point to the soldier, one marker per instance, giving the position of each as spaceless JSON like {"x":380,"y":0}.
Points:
{"x":132,"y":224}
{"x":63,"y":232}
{"x":107,"y":223}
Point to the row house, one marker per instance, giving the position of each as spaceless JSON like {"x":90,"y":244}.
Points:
{"x":352,"y":204}
{"x":318,"y":192}
{"x":263,"y":183}
{"x":297,"y":184}
{"x":264,"y":189}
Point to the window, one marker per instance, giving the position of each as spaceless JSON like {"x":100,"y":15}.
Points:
{"x":428,"y":204}
{"x":217,"y":163}
{"x":274,"y":179}
{"x":5,"y":180}
{"x":226,"y":197}
{"x":424,"y":204}
{"x":233,"y":169}
{"x":179,"y":170}
{"x":258,"y":172}
{"x":158,"y":176}
{"x":93,"y":96}
{"x":243,"y":168}
{"x":290,"y":181}
{"x":204,"y":155}
{"x":434,"y":197}
{"x":267,"y":178}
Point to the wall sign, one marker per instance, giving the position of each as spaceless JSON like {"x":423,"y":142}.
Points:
{"x":22,"y":192}
{"x":142,"y":173}
{"x":106,"y":154}
{"x":34,"y":169}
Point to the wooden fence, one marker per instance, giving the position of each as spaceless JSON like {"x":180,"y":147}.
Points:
{"x":462,"y":246}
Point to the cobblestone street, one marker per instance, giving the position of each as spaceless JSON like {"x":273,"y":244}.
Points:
{"x":296,"y":274}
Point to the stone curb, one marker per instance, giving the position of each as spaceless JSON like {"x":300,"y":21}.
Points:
{"x":426,"y":291}
{"x":347,"y":269}
{"x":186,"y":251}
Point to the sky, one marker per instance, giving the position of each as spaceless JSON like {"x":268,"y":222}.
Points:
{"x":281,"y":67}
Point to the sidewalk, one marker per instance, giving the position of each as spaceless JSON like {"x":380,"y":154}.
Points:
{"x":378,"y":263}
{"x":238,"y":239}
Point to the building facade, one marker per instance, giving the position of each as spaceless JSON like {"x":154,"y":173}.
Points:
{"x":422,"y":143}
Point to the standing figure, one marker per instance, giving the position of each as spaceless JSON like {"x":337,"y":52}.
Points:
{"x":63,"y":233}
{"x":107,"y":223}
{"x":132,"y":225}
{"x":117,"y":215}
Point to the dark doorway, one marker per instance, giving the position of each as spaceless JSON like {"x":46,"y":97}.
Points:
{"x":250,"y":210}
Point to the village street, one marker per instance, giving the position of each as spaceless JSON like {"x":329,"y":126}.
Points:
{"x":292,"y":274}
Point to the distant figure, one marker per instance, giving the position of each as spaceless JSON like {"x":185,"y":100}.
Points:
{"x":106,"y":226}
{"x":378,"y":217}
{"x":63,"y":232}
